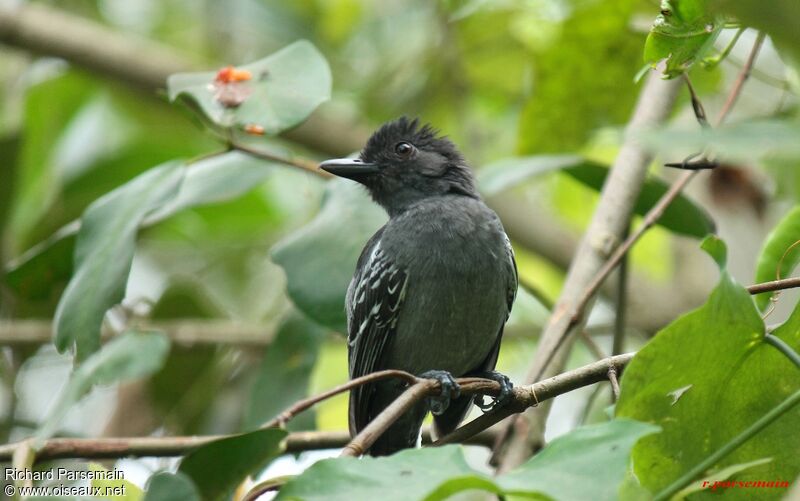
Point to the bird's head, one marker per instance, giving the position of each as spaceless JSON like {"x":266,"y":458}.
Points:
{"x":404,"y":163}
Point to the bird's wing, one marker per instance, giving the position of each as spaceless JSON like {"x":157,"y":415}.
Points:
{"x":511,"y":294}
{"x":513,"y":281}
{"x":373,"y":303}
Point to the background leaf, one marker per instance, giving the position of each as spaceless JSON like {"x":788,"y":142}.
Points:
{"x":217,"y":468}
{"x":285,"y":88}
{"x":103,"y":254}
{"x":347,"y":219}
{"x":131,"y":490}
{"x":682,"y":216}
{"x":167,"y":486}
{"x":771,"y":262}
{"x":285,"y":372}
{"x":131,"y":355}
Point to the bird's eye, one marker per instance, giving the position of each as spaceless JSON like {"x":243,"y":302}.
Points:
{"x":404,"y":149}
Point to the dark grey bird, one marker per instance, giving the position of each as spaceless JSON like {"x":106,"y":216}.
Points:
{"x":433,"y":287}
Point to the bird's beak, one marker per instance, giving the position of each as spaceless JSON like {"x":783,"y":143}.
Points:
{"x":351,"y":168}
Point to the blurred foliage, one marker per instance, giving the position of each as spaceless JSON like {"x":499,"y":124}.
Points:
{"x":87,"y":224}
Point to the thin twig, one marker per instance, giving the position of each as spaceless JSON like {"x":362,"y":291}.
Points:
{"x":612,"y":378}
{"x":402,"y":404}
{"x":618,"y":344}
{"x":301,"y":163}
{"x":775,"y":285}
{"x":744,"y":74}
{"x":298,"y":407}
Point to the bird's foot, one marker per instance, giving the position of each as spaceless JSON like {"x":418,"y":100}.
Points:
{"x":450,"y":390}
{"x":506,"y":391}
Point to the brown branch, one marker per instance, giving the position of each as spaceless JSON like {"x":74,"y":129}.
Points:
{"x":299,"y":162}
{"x":775,"y":285}
{"x":402,"y":404}
{"x":298,"y":407}
{"x":532,"y":395}
{"x":744,"y":74}
{"x":138,"y":447}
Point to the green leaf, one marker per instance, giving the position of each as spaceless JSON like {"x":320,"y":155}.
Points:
{"x":750,"y":141}
{"x":283,"y":91}
{"x":588,"y":463}
{"x":682,"y":216}
{"x":717,"y":249}
{"x":103,"y":255}
{"x":211,"y":180}
{"x":328,"y":247}
{"x":776,"y":259}
{"x":413,"y":474}
{"x":504,"y":174}
{"x":129,"y":356}
{"x":285,"y":372}
{"x":779,"y":20}
{"x":704,"y":379}
{"x":115,"y":490}
{"x":682,"y":33}
{"x":167,"y":486}
{"x":217,"y":468}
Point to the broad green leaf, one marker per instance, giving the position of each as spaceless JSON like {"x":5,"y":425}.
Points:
{"x":283,"y":90}
{"x":726,"y":377}
{"x":319,"y":258}
{"x":285,"y":371}
{"x":750,"y":141}
{"x":217,"y":468}
{"x":779,"y":20}
{"x":717,"y":249}
{"x":413,"y":474}
{"x":50,"y":106}
{"x":211,"y":180}
{"x":588,"y":463}
{"x":130,"y":356}
{"x":778,"y":258}
{"x":504,"y":174}
{"x":115,"y":490}
{"x":103,"y":255}
{"x":167,"y":486}
{"x":682,"y":33}
{"x":682,"y":216}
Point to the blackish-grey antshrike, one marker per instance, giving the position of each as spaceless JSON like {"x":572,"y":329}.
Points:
{"x":432,"y":288}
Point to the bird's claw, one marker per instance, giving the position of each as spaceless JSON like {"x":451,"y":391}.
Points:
{"x":506,"y":391}
{"x":450,"y":390}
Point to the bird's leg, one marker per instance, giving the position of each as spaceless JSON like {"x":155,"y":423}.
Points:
{"x":450,"y":390}
{"x":506,"y":390}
